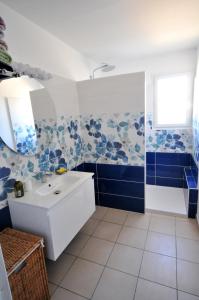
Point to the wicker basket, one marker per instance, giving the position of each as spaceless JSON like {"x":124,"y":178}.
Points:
{"x":25,"y":265}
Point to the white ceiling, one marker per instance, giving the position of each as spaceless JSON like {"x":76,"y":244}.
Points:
{"x":108,"y":30}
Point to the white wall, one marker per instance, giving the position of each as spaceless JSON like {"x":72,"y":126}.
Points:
{"x":29,"y":43}
{"x":115,"y":94}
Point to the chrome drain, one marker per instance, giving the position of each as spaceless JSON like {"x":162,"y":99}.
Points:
{"x":57,"y":192}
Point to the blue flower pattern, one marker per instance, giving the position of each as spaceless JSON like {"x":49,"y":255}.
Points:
{"x":116,"y":138}
{"x":168,"y":140}
{"x":6,"y":183}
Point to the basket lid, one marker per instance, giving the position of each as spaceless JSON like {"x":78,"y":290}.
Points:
{"x":16,"y":245}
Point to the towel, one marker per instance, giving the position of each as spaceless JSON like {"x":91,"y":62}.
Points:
{"x":2,"y":24}
{"x":5,"y":57}
{"x":1,"y":34}
{"x":3,"y":45}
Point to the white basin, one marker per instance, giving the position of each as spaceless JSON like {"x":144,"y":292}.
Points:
{"x":58,"y":185}
{"x":56,"y":217}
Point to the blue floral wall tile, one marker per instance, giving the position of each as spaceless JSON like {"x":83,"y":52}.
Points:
{"x":168,"y":140}
{"x":117,"y":138}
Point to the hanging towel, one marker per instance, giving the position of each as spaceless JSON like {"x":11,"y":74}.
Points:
{"x":2,"y":24}
{"x":5,"y":57}
{"x":1,"y":34}
{"x":3,"y":45}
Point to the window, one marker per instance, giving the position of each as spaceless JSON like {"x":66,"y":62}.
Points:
{"x":173,"y":101}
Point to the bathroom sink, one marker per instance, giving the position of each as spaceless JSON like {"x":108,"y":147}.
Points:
{"x":59,"y":184}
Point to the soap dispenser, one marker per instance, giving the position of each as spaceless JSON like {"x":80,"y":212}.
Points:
{"x":18,"y":189}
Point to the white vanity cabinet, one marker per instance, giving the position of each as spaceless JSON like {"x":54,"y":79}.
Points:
{"x":59,"y":221}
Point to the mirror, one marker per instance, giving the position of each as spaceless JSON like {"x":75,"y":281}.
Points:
{"x":24,"y":104}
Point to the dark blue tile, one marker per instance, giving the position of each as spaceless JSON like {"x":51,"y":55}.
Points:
{"x":195,"y":173}
{"x":150,"y":157}
{"x":89,"y":167}
{"x":170,"y":182}
{"x":188,"y":171}
{"x":121,"y":202}
{"x":80,"y":167}
{"x":192,"y":161}
{"x":132,"y":189}
{"x":173,"y":159}
{"x":169,"y":171}
{"x":191,"y":182}
{"x":120,"y":172}
{"x":5,"y":219}
{"x":97,"y":199}
{"x":150,"y":180}
{"x":192,"y":211}
{"x":193,"y":196}
{"x":150,"y":170}
{"x":96,"y":185}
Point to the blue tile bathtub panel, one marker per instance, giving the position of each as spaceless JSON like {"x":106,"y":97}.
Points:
{"x":119,"y":184}
{"x":121,"y":202}
{"x":193,"y":196}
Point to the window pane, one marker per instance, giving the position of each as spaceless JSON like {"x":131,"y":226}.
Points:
{"x":173,"y":100}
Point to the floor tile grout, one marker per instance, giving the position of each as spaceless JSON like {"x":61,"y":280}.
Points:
{"x":123,"y":225}
{"x":142,"y":259}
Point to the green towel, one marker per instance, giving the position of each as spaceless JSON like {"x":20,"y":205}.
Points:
{"x":5,"y":57}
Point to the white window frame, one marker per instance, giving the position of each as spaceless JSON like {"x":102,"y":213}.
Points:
{"x":155,"y":105}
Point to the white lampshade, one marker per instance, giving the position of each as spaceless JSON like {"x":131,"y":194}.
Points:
{"x":15,"y":87}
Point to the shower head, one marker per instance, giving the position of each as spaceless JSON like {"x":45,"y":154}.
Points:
{"x":104,"y":67}
{"x":108,"y":68}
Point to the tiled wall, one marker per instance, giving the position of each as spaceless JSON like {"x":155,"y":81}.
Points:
{"x":167,"y":169}
{"x":167,"y":140}
{"x":116,"y":138}
{"x":118,"y":186}
{"x":60,"y":145}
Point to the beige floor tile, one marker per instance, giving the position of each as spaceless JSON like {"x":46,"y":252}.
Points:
{"x":159,"y":268}
{"x":52,"y":287}
{"x":185,"y":296}
{"x":82,"y":278}
{"x":188,"y":277}
{"x":100,"y":212}
{"x":188,"y":249}
{"x":147,"y":290}
{"x":126,"y":259}
{"x":62,"y":294}
{"x":138,"y":220}
{"x":107,"y":231}
{"x":97,"y":250}
{"x":187,"y":230}
{"x":162,"y":224}
{"x":115,"y":285}
{"x":90,"y":226}
{"x":57,"y":269}
{"x":161,"y":243}
{"x":115,"y":216}
{"x":133,"y":237}
{"x":77,"y":244}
